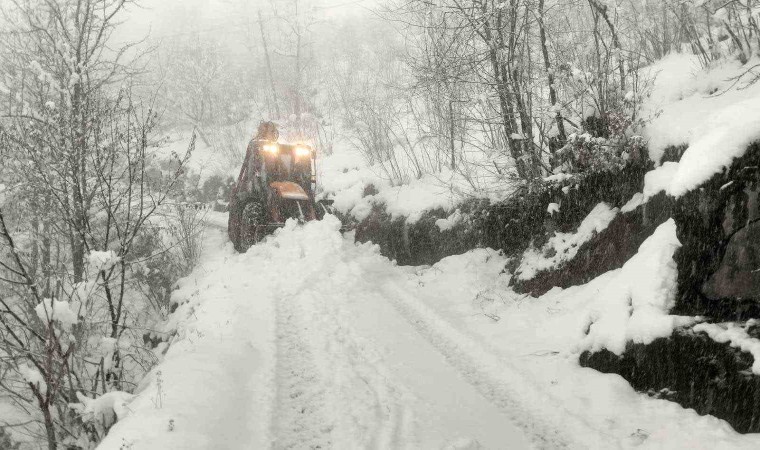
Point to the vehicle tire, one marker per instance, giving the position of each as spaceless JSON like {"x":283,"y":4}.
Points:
{"x":233,"y":227}
{"x":253,"y":218}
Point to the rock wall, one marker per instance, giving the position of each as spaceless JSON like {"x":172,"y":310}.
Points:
{"x":510,"y":226}
{"x":422,"y":242}
{"x":693,"y":370}
{"x":719,"y":228}
{"x":608,"y":250}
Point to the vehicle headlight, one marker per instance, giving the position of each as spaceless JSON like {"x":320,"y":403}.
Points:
{"x":271,"y":148}
{"x":302,"y":150}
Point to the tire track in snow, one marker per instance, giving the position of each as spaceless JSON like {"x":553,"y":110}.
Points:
{"x":492,"y":377}
{"x":300,"y":419}
{"x":332,"y":388}
{"x":375,"y":417}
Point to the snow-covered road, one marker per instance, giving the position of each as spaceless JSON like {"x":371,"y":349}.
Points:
{"x":310,"y":340}
{"x":301,"y":343}
{"x":351,"y":370}
{"x":347,"y":355}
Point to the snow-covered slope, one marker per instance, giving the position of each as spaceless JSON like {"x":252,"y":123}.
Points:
{"x":310,"y":339}
{"x":213,"y":388}
{"x":711,"y":111}
{"x":344,"y":175}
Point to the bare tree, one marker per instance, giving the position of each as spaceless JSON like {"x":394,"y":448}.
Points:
{"x":80,"y":172}
{"x":58,"y":66}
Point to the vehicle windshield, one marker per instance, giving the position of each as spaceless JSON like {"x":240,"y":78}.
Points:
{"x":286,"y":166}
{"x":278,"y":168}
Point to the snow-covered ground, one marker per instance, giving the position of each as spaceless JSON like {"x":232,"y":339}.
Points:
{"x":312,"y":340}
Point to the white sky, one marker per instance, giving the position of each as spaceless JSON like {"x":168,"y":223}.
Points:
{"x":163,"y":18}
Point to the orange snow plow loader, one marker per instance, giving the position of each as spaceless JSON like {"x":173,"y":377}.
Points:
{"x":277,"y":182}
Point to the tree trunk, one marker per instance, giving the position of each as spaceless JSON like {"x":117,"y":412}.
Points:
{"x":451,"y":134}
{"x":49,"y":426}
{"x":550,"y":75}
{"x":269,"y":66}
{"x":34,"y":264}
{"x":297,"y":106}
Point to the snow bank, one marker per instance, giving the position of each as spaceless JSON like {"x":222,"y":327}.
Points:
{"x":420,"y":195}
{"x":716,"y":128}
{"x":634,"y":305}
{"x":407,"y":201}
{"x":346,"y":177}
{"x":482,"y":265}
{"x":346,"y":183}
{"x":563,"y":247}
{"x":212,"y":388}
{"x":726,"y":136}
